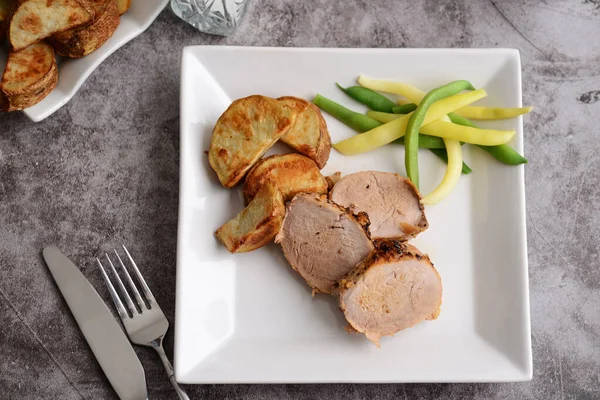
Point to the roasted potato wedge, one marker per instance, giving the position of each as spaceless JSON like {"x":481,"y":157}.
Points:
{"x":291,"y":173}
{"x":309,"y":134}
{"x":29,"y":76}
{"x":81,"y":41}
{"x":245,"y":131}
{"x":4,"y":12}
{"x":123,"y":6}
{"x":35,"y":20}
{"x":95,"y":7}
{"x":257,"y":224}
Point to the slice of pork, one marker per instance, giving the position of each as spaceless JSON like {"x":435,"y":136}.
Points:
{"x":394,"y":288}
{"x":391,"y":201}
{"x":322,"y":241}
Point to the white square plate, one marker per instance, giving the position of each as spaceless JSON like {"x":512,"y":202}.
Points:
{"x":250,"y":318}
{"x":73,"y":72}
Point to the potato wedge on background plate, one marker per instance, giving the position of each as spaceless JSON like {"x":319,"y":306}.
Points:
{"x":309,"y":134}
{"x":4,"y":11}
{"x":257,"y":224}
{"x":81,"y":41}
{"x":35,"y":20}
{"x":123,"y":6}
{"x":291,"y":173}
{"x":29,"y":76}
{"x":95,"y":7}
{"x":245,"y":131}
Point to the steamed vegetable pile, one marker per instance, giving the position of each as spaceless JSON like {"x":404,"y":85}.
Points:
{"x":437,"y":120}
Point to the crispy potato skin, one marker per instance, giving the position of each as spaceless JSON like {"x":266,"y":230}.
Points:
{"x":95,"y":7}
{"x":34,"y":20}
{"x":81,"y":41}
{"x":245,"y":131}
{"x":257,"y":224}
{"x":29,"y":76}
{"x":291,"y":173}
{"x":323,"y":150}
{"x":309,"y":134}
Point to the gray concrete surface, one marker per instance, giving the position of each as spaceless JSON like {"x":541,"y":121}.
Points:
{"x":103,"y":170}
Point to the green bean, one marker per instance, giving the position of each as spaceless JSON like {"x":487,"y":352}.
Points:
{"x":405,"y":108}
{"x":362,"y":123}
{"x":503,"y":153}
{"x":373,"y":100}
{"x":411,"y":158}
{"x":426,"y":142}
{"x":358,"y":122}
{"x":459,"y":120}
{"x":443,"y":155}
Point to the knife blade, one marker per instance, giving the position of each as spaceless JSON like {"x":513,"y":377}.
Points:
{"x":101,"y":330}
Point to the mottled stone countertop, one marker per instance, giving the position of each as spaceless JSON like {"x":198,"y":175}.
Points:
{"x":103,"y":170}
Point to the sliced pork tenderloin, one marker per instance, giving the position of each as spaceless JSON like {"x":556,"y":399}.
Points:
{"x":392,"y":289}
{"x":391,"y":201}
{"x":323,"y":241}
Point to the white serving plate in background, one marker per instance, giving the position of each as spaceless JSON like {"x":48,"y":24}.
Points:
{"x":250,"y":318}
{"x":73,"y":72}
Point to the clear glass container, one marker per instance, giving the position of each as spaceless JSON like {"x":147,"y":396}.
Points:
{"x":217,"y":17}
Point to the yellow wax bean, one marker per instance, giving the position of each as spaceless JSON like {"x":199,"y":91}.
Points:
{"x":479,"y":112}
{"x":448,"y":130}
{"x":415,"y":95}
{"x":395,"y":129}
{"x":452,"y":175}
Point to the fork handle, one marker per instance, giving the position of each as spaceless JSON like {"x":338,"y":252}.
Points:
{"x":169,"y":368}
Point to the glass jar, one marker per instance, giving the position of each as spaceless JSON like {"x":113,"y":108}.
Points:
{"x":217,"y":17}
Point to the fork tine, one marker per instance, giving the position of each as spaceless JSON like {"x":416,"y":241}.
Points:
{"x":130,"y":282}
{"x":141,"y":280}
{"x":113,"y":293}
{"x":122,"y":288}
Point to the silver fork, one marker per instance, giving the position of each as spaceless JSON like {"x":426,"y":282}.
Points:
{"x":146,"y":326}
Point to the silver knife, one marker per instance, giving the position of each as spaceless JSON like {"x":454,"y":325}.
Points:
{"x":101,"y":330}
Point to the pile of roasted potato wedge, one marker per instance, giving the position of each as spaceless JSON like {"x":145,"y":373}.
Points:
{"x":241,"y":136}
{"x":37,"y":30}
